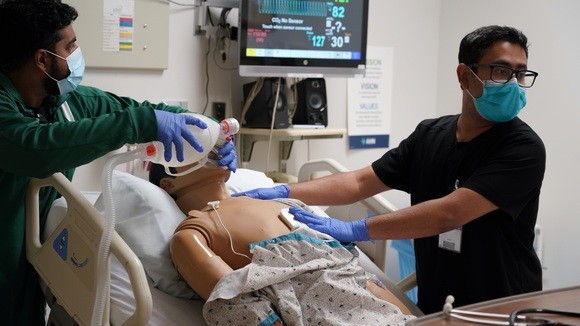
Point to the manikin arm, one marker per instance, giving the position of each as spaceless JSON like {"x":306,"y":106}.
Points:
{"x":196,"y":262}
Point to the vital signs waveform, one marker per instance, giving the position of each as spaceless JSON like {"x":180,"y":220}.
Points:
{"x":293,"y":7}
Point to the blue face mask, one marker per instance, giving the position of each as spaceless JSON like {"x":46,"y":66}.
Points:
{"x":76,"y":67}
{"x":499,"y":102}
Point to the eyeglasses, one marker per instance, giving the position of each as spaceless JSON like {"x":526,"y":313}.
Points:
{"x":502,"y":74}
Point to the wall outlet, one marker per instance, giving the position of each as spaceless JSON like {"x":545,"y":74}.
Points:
{"x":218,"y":110}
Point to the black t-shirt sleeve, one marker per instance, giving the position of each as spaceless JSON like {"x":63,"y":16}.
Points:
{"x":511,"y":177}
{"x":402,"y":167}
{"x":394,"y":168}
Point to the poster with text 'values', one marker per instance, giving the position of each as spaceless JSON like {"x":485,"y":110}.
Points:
{"x":369,"y":101}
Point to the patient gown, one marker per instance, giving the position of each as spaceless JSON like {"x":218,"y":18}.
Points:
{"x":302,"y":280}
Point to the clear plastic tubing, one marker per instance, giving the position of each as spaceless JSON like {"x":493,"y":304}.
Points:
{"x":103,"y":258}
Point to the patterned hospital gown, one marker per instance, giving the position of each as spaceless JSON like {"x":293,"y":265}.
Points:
{"x":301,"y":280}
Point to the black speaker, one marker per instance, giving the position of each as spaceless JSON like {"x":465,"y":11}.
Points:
{"x":260,"y":111}
{"x":311,"y":106}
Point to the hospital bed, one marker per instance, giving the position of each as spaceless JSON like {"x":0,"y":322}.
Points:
{"x":64,"y":253}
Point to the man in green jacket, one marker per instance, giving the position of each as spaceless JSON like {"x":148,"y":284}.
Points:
{"x":49,"y":125}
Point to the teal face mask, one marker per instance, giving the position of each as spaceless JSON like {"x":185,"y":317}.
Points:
{"x":76,"y":67}
{"x":499,"y":102}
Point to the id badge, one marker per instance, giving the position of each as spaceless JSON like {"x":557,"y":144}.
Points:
{"x":451,"y":240}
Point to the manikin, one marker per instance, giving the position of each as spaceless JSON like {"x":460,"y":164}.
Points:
{"x":214,"y":240}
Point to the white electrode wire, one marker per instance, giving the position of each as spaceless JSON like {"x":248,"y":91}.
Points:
{"x":213,"y":206}
{"x":274,"y":109}
{"x":103,"y":270}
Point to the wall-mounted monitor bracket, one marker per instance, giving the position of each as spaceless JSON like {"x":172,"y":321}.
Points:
{"x":202,"y":21}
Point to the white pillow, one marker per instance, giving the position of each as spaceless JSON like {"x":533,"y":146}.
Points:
{"x":146,"y":217}
{"x":245,"y":179}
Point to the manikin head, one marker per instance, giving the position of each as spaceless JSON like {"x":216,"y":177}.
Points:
{"x":193,"y":190}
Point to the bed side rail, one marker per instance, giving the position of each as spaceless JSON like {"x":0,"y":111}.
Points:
{"x":66,"y":261}
{"x":376,"y":203}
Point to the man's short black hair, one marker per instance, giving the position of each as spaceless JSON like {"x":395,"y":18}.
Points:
{"x":29,"y":25}
{"x":475,"y":43}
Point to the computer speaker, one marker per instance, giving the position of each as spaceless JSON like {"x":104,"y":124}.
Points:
{"x":259,"y":105}
{"x":311,"y":106}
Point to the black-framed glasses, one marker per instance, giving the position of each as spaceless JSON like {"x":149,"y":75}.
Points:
{"x":502,"y":74}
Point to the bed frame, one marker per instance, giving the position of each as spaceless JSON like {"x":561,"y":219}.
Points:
{"x":66,"y":261}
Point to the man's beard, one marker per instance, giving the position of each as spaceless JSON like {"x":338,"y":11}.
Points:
{"x":50,"y":85}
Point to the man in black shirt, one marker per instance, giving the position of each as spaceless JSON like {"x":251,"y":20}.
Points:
{"x":474,"y":180}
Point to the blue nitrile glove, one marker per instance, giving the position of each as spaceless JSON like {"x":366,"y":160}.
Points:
{"x":228,"y":156}
{"x":340,"y":230}
{"x":281,"y":191}
{"x":172,"y":127}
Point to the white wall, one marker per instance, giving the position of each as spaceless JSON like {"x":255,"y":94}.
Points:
{"x":425,"y":35}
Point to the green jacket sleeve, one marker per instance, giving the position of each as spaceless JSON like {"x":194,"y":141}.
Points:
{"x":103,"y":122}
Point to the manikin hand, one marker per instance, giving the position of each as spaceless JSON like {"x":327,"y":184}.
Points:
{"x":281,"y":191}
{"x":340,"y":230}
{"x":172,"y":128}
{"x":228,"y":156}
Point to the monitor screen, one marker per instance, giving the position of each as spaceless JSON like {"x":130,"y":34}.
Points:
{"x":303,"y":38}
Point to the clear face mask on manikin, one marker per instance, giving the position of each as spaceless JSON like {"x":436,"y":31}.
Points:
{"x":499,"y":102}
{"x":76,"y":67}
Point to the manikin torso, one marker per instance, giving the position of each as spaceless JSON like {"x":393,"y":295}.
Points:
{"x":248,"y":220}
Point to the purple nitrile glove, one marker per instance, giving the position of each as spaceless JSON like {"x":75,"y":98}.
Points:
{"x":281,"y":191}
{"x":228,"y":156}
{"x":340,"y":230}
{"x":172,"y":127}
